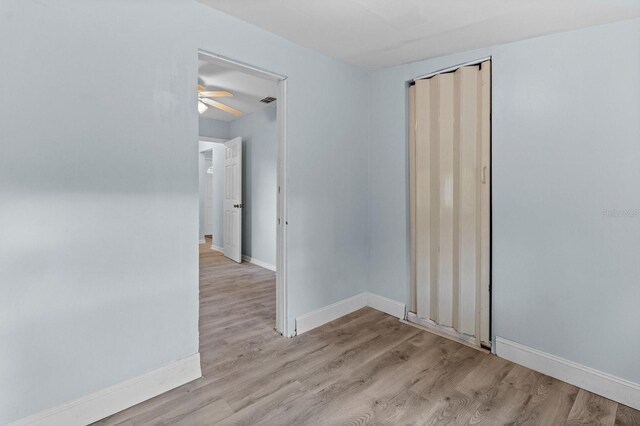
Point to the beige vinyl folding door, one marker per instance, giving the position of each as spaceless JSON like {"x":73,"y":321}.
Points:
{"x":449,"y":144}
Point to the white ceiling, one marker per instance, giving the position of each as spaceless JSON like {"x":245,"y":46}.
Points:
{"x":247,"y":89}
{"x":379,"y":33}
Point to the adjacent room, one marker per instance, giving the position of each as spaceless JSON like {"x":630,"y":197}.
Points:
{"x":238,"y":198}
{"x":252,"y":123}
{"x":306,"y":212}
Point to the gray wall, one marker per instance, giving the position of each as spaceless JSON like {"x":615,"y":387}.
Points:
{"x":99,"y":187}
{"x":213,"y":128}
{"x":566,"y":130}
{"x":259,"y":135}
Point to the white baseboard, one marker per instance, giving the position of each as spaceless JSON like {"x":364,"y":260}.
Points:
{"x":329,"y":313}
{"x":258,"y":262}
{"x":108,"y":401}
{"x":386,"y":305}
{"x":250,"y":259}
{"x":336,"y":310}
{"x":598,"y":382}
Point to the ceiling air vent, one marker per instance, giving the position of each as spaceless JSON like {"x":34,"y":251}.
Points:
{"x":267,"y":100}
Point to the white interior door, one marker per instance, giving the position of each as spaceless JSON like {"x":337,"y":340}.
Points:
{"x":449,"y":148}
{"x":232,"y":221}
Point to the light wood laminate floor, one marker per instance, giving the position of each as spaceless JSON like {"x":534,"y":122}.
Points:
{"x":364,"y":368}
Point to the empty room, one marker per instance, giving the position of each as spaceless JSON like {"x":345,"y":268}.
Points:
{"x":302,"y":212}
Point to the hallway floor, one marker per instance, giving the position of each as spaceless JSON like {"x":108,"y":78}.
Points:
{"x":364,"y":368}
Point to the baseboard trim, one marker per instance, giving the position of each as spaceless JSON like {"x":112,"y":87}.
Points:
{"x":108,"y":401}
{"x":329,"y":313}
{"x":598,"y":382}
{"x":260,"y":263}
{"x":250,"y":259}
{"x":386,"y":305}
{"x":341,"y":308}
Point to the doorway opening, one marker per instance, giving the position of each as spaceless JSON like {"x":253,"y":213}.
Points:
{"x":242,"y":148}
{"x":450,"y":202}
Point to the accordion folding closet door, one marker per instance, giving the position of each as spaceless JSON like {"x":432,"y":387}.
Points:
{"x":450,"y":133}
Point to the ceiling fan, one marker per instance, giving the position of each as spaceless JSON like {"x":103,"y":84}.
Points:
{"x":205,"y":101}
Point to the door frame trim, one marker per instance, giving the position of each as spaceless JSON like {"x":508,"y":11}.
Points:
{"x":281,"y":325}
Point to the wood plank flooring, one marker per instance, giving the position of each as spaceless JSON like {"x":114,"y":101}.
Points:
{"x":366,"y":368}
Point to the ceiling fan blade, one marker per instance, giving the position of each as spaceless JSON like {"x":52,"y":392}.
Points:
{"x":216,"y":94}
{"x":223,"y":107}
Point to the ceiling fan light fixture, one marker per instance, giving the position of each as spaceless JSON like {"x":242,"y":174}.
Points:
{"x":202,"y":107}
{"x":221,"y":106}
